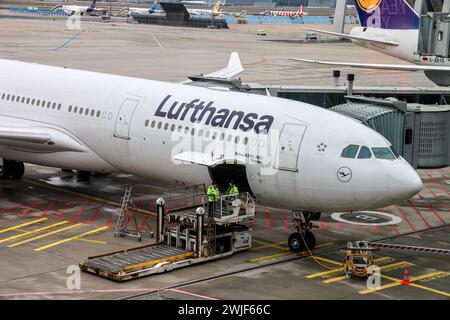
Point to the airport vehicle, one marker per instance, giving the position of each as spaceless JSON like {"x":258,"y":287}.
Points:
{"x":394,"y":32}
{"x":358,"y":259}
{"x":286,"y":13}
{"x":286,"y":154}
{"x":193,"y":235}
{"x":151,"y":10}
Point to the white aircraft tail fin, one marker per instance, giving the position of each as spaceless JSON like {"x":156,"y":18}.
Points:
{"x":233,"y":68}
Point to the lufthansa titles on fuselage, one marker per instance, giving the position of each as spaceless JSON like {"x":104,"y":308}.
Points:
{"x":198,"y":111}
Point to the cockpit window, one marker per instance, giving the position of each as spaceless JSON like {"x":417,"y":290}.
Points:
{"x":350,"y":151}
{"x":383,"y":153}
{"x":395,"y":152}
{"x":364,"y":153}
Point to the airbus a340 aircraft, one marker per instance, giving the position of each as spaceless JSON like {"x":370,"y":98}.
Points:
{"x":287,"y":154}
{"x":390,"y":27}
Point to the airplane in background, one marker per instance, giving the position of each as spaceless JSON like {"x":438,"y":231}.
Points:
{"x":81,"y":10}
{"x":287,"y":154}
{"x":200,"y":3}
{"x":394,"y":33}
{"x":153,"y":9}
{"x":214,"y":11}
{"x":286,"y":13}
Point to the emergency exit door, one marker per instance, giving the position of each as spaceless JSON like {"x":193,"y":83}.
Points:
{"x":123,"y":121}
{"x":289,"y":146}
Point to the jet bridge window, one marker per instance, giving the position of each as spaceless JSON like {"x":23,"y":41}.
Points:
{"x":350,"y":151}
{"x":364,"y":153}
{"x":383,"y":153}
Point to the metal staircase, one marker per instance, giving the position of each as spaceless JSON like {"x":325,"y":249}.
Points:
{"x":129,"y":214}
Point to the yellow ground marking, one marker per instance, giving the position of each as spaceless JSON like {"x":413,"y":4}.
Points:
{"x":71,"y":238}
{"x":45,"y":235}
{"x":82,"y":195}
{"x":157,"y":41}
{"x":324,"y":273}
{"x":153,"y":262}
{"x":285,"y":254}
{"x":430,"y":289}
{"x":23,"y":225}
{"x":397,"y":264}
{"x":93,"y":241}
{"x":29,"y":233}
{"x":264,"y":244}
{"x":398,"y":282}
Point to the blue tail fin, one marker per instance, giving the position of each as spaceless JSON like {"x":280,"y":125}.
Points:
{"x":154,"y":6}
{"x":387,"y":14}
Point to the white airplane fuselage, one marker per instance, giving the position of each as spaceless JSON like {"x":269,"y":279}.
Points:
{"x":94,"y":109}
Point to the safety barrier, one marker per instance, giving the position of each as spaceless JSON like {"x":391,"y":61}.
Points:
{"x":409,"y":248}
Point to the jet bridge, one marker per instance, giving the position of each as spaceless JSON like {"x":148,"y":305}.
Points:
{"x":209,"y":231}
{"x":434,"y":37}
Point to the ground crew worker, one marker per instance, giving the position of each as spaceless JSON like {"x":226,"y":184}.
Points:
{"x":233,"y":190}
{"x":213,"y":196}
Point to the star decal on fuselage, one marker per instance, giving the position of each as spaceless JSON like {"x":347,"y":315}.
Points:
{"x":321,"y":147}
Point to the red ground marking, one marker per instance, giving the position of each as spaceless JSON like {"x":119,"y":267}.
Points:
{"x":418,"y":212}
{"x":108,"y":223}
{"x":30,"y":207}
{"x":340,"y":225}
{"x":322,"y":224}
{"x":285,"y":222}
{"x":95,"y":215}
{"x":405,"y":218}
{"x":268,"y":220}
{"x":47,"y":208}
{"x":437,"y":197}
{"x":438,"y":184}
{"x":60,"y":213}
{"x":79,"y":212}
{"x":431,"y":208}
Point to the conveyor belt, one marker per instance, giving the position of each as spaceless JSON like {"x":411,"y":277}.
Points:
{"x":132,"y":259}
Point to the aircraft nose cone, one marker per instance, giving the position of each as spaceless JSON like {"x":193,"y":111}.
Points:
{"x":403,"y":182}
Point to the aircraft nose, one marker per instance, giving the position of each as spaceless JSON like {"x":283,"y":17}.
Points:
{"x":403,"y":182}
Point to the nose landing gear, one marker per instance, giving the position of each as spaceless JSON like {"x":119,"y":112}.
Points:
{"x":303,"y":239}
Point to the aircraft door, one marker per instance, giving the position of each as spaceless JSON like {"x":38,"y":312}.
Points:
{"x":289,"y":146}
{"x":124,"y":118}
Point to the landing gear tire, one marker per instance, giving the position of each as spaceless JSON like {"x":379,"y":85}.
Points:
{"x":303,"y":239}
{"x":12,"y":170}
{"x":297,"y":244}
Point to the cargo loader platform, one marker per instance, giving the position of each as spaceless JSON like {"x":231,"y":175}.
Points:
{"x":208,"y":232}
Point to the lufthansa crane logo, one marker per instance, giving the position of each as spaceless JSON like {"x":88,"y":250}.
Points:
{"x":368,"y":5}
{"x":344,"y":174}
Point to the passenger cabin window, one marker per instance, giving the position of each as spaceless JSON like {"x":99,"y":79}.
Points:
{"x":364,"y":153}
{"x":383,"y":153}
{"x":350,"y":151}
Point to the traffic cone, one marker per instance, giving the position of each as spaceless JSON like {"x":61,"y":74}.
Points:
{"x":406,"y":276}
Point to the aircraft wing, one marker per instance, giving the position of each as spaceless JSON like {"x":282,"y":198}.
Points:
{"x":398,"y":67}
{"x":348,"y":36}
{"x":37,"y":139}
{"x":203,"y":159}
{"x":233,"y":68}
